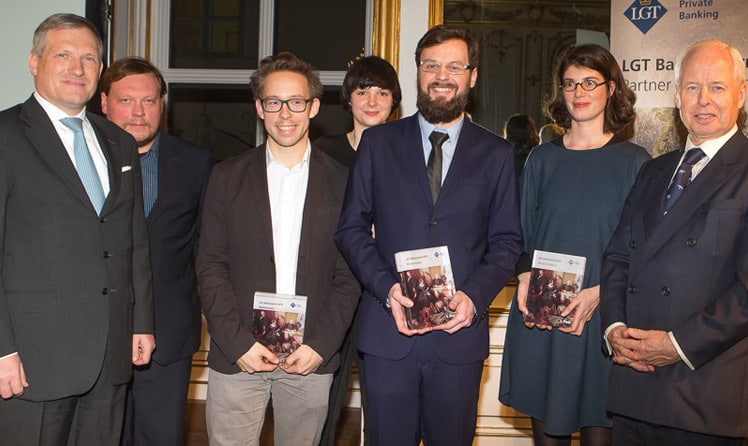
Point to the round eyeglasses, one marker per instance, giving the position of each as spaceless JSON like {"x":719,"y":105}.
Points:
{"x":432,"y":66}
{"x":587,"y":85}
{"x":296,"y":105}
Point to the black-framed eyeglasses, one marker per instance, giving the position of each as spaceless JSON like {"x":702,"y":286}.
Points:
{"x":296,"y":105}
{"x":432,"y":66}
{"x":587,"y":84}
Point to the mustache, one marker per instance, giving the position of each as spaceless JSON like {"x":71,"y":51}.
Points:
{"x":440,"y":84}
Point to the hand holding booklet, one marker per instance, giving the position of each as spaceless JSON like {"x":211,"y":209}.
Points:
{"x":278,"y":322}
{"x":554,"y":281}
{"x":426,"y":279}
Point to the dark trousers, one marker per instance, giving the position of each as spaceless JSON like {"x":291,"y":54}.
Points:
{"x":156,"y":404}
{"x":349,"y":355}
{"x":93,"y":418}
{"x":630,"y":432}
{"x":421,"y":397}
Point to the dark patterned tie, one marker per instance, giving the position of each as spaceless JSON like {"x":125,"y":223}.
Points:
{"x":682,"y":177}
{"x":149,"y":169}
{"x":84,"y":164}
{"x":434,"y":166}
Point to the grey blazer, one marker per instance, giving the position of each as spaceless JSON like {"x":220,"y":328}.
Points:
{"x":74,"y":286}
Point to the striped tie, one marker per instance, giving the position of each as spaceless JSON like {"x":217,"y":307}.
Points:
{"x":682,"y":177}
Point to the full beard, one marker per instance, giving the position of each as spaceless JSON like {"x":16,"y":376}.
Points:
{"x":441,"y":110}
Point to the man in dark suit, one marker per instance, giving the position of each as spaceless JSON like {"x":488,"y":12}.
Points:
{"x":76,"y":308}
{"x":674,"y":297}
{"x":268,"y":224}
{"x":427,"y":386}
{"x":175,"y":175}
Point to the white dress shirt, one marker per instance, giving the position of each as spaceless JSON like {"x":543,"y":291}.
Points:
{"x":287,"y":190}
{"x":66,"y":135}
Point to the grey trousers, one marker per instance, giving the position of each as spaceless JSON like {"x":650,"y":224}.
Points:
{"x":235,"y":407}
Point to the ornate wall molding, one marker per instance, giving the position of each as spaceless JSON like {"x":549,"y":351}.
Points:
{"x":591,"y":14}
{"x":386,"y":41}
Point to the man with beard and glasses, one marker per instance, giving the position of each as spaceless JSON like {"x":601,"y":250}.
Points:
{"x":460,"y":193}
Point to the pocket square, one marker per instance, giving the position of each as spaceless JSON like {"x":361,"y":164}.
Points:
{"x":126,"y":169}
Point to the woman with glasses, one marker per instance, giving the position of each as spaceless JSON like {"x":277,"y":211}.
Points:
{"x":572,"y":192}
{"x":371,"y":92}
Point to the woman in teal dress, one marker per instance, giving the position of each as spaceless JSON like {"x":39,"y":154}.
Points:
{"x":573,"y":189}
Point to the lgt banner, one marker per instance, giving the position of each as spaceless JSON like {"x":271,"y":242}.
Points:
{"x":646,"y":37}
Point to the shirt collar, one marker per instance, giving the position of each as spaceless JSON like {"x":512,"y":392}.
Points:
{"x":271,"y":161}
{"x":155,"y":148}
{"x":453,"y":131}
{"x":712,"y":146}
{"x":54,"y":113}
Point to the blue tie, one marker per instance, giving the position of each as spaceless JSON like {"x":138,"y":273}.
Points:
{"x":84,"y":163}
{"x":682,"y":177}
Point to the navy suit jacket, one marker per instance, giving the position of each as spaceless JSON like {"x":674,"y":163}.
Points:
{"x":75,"y":285}
{"x":686,"y":272}
{"x":173,"y":228}
{"x":476,"y":216}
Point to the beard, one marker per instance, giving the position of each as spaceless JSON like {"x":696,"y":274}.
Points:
{"x":147,"y":140}
{"x":441,"y":110}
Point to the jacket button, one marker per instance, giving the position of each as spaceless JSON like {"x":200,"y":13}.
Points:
{"x":632,"y":289}
{"x":432,"y":222}
{"x":632,"y":244}
{"x":690,"y":242}
{"x":105,"y":291}
{"x":107,"y":254}
{"x":665,"y":291}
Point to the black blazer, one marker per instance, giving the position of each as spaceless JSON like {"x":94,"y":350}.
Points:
{"x":686,"y":272}
{"x":174,"y":227}
{"x":75,"y":286}
{"x":235,"y":258}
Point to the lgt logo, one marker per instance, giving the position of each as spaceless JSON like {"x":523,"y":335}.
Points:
{"x":645,"y":13}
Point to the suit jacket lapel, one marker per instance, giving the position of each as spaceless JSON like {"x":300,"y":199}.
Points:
{"x":47,"y":143}
{"x":719,"y":170}
{"x":258,"y":189}
{"x":416,"y":162}
{"x":657,"y":188}
{"x":315,"y":198}
{"x":459,"y":159}
{"x":111,"y":151}
{"x":168,"y":164}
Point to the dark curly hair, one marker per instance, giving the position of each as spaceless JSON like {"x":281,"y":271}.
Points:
{"x":619,"y":110}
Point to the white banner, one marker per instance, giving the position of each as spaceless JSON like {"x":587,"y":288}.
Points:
{"x":646,"y":37}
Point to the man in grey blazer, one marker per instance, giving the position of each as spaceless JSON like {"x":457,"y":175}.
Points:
{"x":175,"y":175}
{"x":268,"y":224}
{"x":76,"y":307}
{"x":674,"y":290}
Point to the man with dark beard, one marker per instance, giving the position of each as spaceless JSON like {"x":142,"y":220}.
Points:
{"x":430,"y":180}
